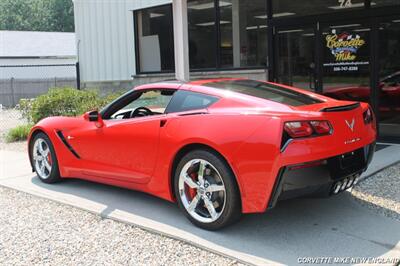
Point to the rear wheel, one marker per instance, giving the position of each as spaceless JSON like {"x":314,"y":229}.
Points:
{"x":206,"y":190}
{"x":44,"y":159}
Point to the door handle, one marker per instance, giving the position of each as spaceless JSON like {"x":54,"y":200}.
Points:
{"x":163,"y":122}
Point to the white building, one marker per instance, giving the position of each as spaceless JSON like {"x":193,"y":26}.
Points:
{"x":37,"y":55}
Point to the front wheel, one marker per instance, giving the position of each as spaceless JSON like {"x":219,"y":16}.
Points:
{"x":44,"y":159}
{"x":206,"y":190}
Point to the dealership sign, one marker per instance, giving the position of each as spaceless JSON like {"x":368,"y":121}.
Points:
{"x":344,"y":47}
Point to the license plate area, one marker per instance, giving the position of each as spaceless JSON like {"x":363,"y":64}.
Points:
{"x":352,"y":158}
{"x":347,"y":164}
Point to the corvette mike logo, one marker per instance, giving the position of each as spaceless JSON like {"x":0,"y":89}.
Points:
{"x":350,"y":124}
{"x":344,"y":46}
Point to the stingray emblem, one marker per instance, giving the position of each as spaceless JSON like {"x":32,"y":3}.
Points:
{"x":350,"y":124}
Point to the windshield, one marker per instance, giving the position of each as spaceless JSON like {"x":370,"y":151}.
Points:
{"x":265,"y":91}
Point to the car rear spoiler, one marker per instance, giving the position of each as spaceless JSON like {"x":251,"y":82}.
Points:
{"x":341,"y":108}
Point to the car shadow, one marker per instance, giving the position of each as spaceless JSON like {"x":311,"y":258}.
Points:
{"x":334,"y":227}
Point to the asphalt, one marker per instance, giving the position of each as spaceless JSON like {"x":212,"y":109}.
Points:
{"x":337,"y":227}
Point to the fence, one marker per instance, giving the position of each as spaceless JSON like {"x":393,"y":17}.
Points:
{"x":29,"y":81}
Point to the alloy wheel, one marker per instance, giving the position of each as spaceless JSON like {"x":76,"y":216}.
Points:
{"x":41,"y":155}
{"x":202,"y":190}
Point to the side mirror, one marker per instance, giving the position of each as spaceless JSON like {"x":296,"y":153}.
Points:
{"x":94,"y":116}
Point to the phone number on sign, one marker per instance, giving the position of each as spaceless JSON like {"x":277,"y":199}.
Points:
{"x":345,"y":68}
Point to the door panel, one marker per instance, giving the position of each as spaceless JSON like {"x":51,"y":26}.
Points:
{"x":121,"y":149}
{"x":389,"y":78}
{"x":295,"y":62}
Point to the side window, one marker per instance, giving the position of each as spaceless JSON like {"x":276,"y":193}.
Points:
{"x":139,"y":104}
{"x":187,"y":100}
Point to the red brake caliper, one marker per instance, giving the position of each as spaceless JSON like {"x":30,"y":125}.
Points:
{"x":192,"y":191}
{"x":49,"y":158}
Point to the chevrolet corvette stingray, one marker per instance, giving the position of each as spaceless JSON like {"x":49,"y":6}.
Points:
{"x":217,"y":147}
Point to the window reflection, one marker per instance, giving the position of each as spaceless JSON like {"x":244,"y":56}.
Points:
{"x":243,"y":33}
{"x":379,"y":3}
{"x":290,"y":8}
{"x":389,"y":85}
{"x":155,"y":39}
{"x":202,"y":37}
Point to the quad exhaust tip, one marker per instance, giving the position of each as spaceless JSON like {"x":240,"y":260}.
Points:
{"x":344,"y":184}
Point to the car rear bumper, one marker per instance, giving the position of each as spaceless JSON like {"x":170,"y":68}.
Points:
{"x":321,"y":178}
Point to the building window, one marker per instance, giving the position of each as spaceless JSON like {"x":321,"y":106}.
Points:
{"x":290,"y":8}
{"x":154,"y":39}
{"x":202,"y":34}
{"x":223,"y":34}
{"x":243,"y":27}
{"x":227,"y":33}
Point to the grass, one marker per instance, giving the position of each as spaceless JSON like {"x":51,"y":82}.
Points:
{"x":18,"y":133}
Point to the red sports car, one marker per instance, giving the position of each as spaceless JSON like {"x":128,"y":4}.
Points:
{"x":218,"y":147}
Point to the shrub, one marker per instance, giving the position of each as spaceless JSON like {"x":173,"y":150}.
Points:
{"x":63,"y":102}
{"x":18,"y":133}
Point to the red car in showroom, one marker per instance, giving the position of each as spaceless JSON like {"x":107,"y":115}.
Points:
{"x":218,"y":147}
{"x":389,"y":95}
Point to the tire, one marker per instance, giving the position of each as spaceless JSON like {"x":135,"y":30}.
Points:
{"x":204,"y":207}
{"x":41,"y":162}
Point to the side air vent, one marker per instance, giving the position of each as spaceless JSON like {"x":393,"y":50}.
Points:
{"x":61,"y":135}
{"x":341,"y":108}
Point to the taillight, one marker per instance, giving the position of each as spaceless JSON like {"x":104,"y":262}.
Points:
{"x":301,"y":129}
{"x":321,"y":127}
{"x":298,"y":129}
{"x":368,"y":117}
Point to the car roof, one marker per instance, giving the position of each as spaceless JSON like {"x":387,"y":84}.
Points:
{"x":205,"y":86}
{"x":177,"y":84}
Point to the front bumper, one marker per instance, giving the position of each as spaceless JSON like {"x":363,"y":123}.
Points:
{"x":321,"y":178}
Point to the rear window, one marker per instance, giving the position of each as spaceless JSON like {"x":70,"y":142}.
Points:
{"x":265,"y":91}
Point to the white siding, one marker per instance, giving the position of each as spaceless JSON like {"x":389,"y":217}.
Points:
{"x":105,"y":35}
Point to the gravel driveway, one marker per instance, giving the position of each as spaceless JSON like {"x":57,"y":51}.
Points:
{"x":36,"y":231}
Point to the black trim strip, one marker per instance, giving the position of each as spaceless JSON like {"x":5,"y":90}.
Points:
{"x":277,"y":188}
{"x":61,"y":135}
{"x":341,"y":108}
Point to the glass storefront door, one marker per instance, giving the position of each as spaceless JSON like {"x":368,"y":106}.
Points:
{"x":356,"y":60}
{"x":295,"y":57}
{"x":389,"y":78}
{"x":346,"y":61}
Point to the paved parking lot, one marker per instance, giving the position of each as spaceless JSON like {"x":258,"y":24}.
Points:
{"x":338,"y":227}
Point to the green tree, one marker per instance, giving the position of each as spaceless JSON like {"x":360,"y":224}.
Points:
{"x":37,"y":15}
